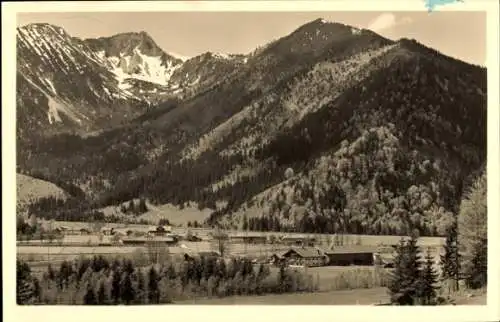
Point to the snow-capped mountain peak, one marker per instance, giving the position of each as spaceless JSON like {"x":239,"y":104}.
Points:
{"x":135,"y":56}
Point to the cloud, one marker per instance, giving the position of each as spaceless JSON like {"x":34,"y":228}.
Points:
{"x":386,"y":21}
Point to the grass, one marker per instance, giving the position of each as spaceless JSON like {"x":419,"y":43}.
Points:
{"x":323,"y":239}
{"x":29,"y":189}
{"x":335,"y":278}
{"x":174,"y":214}
{"x":345,"y":297}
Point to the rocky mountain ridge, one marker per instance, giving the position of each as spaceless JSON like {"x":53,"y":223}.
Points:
{"x":330,"y":128}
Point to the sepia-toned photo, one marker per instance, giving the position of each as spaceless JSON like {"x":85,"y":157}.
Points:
{"x":251,"y":158}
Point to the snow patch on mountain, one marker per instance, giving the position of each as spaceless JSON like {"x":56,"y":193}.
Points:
{"x":52,"y":113}
{"x":51,"y":85}
{"x":322,"y":20}
{"x":355,"y":31}
{"x":222,"y":55}
{"x":142,"y":67}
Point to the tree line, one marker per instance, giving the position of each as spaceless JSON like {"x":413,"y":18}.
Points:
{"x":99,"y":281}
{"x":416,"y":282}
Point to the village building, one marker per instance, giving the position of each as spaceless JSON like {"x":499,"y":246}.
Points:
{"x":160,"y":231}
{"x":304,"y":256}
{"x":107,"y":231}
{"x":298,"y":240}
{"x":352,"y":255}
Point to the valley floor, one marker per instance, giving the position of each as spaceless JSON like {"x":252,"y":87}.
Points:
{"x":346,"y":297}
{"x":372,"y":296}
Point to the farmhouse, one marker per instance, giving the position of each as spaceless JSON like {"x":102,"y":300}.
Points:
{"x":306,"y":256}
{"x":351,"y":255}
{"x":107,"y":231}
{"x":160,"y":231}
{"x":298,"y":240}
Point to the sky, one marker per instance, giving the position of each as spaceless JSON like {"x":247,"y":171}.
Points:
{"x":459,"y":34}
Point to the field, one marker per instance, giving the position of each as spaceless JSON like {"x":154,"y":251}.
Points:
{"x":174,"y":214}
{"x":204,"y":233}
{"x":337,"y":285}
{"x":346,"y":297}
{"x":74,"y":246}
{"x":29,"y":188}
{"x":373,"y":296}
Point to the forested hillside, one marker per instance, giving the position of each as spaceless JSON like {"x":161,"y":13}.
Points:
{"x":328,"y":129}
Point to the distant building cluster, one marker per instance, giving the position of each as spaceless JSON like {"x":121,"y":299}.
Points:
{"x":338,"y":256}
{"x":300,"y":249}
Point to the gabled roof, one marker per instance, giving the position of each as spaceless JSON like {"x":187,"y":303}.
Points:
{"x":304,"y":252}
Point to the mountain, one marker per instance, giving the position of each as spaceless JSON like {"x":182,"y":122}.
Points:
{"x":66,"y":84}
{"x":62,"y":85}
{"x":330,"y":128}
{"x":138,"y":63}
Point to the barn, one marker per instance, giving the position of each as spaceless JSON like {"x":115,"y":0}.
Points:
{"x":351,"y":255}
{"x":160,"y":231}
{"x":306,"y":256}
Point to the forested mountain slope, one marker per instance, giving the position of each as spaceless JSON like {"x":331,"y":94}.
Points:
{"x":374,"y":136}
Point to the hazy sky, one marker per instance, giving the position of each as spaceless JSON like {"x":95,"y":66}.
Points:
{"x":458,"y":34}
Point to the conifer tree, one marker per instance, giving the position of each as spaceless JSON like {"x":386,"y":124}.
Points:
{"x":51,"y":274}
{"x":141,"y":287}
{"x":127,"y":290}
{"x":37,"y":290}
{"x":428,"y":281}
{"x":131,"y":206}
{"x":245,"y":222}
{"x":142,"y":206}
{"x":102,"y":296}
{"x":476,"y":275}
{"x":153,"y":291}
{"x":282,"y":279}
{"x":90,"y":298}
{"x":404,"y":281}
{"x":24,"y":287}
{"x":116,"y":287}
{"x":450,"y":260}
{"x":397,"y":277}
